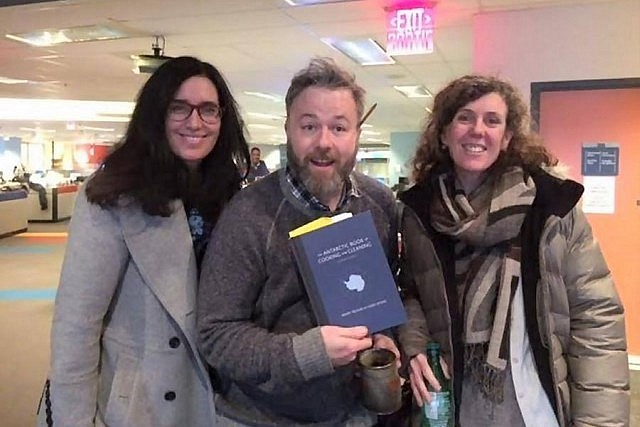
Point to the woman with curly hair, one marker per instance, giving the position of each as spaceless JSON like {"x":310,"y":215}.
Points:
{"x":502,"y":270}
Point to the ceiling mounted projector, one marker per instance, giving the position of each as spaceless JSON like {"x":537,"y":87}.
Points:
{"x":150,"y":63}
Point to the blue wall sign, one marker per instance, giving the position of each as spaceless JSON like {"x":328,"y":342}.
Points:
{"x":600,"y":159}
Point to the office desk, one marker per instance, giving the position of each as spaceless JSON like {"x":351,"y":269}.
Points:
{"x":61,"y":201}
{"x":13,"y":212}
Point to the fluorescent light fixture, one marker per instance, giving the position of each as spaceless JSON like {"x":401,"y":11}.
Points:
{"x":64,"y":110}
{"x":98,"y":129}
{"x":10,"y":81}
{"x":260,"y":126}
{"x":363,"y":51}
{"x":38,"y":130}
{"x":46,"y":57}
{"x":266,"y":116}
{"x":372,"y":154}
{"x":370,"y":132}
{"x":414,"y":91}
{"x":312,"y":2}
{"x":263,"y":95}
{"x":115,"y":117}
{"x":366,"y":125}
{"x":68,"y":35}
{"x":373,"y":140}
{"x":428,"y":110}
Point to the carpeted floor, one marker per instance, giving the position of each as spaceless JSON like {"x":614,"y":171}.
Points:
{"x":30,"y":265}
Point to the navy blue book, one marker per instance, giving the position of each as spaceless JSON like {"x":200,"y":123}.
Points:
{"x":347,"y":275}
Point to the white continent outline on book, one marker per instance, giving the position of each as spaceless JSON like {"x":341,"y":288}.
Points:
{"x":355,"y":283}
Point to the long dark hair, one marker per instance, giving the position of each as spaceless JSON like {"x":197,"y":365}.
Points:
{"x":143,"y":167}
{"x":525,"y":148}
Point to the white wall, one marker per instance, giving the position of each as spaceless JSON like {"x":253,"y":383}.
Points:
{"x":402,"y":149}
{"x":579,"y":42}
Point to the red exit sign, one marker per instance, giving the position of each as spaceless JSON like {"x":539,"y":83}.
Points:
{"x":410,"y":31}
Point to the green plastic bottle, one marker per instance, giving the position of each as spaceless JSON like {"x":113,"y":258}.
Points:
{"x":438,"y":412}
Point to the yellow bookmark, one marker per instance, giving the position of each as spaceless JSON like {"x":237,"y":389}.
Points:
{"x":318,"y":223}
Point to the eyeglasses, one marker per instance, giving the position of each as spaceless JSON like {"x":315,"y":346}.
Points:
{"x":209,"y":112}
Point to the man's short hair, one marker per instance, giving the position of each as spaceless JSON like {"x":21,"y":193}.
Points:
{"x":325,"y":73}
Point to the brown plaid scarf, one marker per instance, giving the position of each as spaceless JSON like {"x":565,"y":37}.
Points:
{"x":486,"y":225}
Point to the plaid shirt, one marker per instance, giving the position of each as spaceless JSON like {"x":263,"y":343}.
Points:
{"x":301,"y":193}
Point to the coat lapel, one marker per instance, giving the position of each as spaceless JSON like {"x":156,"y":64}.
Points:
{"x":162,"y":250}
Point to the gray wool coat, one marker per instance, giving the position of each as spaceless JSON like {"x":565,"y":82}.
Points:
{"x":123,"y":340}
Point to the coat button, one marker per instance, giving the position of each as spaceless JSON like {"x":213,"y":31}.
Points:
{"x":170,"y":395}
{"x":174,"y":342}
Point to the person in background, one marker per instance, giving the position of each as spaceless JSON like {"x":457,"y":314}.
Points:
{"x":257,"y":169}
{"x":501,"y":269}
{"x":22,"y":176}
{"x":276,"y":366}
{"x":124,"y":346}
{"x":403,"y":183}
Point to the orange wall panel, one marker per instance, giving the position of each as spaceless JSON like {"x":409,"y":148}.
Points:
{"x":567,"y":120}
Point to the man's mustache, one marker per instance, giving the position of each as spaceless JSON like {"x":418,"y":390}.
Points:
{"x":319,"y":154}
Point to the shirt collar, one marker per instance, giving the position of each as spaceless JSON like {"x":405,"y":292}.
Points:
{"x":300,"y":192}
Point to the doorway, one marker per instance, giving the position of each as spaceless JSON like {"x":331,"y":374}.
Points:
{"x":572,"y":114}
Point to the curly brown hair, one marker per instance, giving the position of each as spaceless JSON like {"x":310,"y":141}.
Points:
{"x":525,"y":148}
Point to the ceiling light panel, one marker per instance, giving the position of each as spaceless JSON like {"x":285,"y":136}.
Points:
{"x":68,"y":35}
{"x":263,"y":95}
{"x":38,"y":130}
{"x":64,"y":110}
{"x":98,"y":129}
{"x":311,"y":2}
{"x":363,"y":51}
{"x":266,"y":116}
{"x":261,"y":126}
{"x":414,"y":91}
{"x":10,"y":81}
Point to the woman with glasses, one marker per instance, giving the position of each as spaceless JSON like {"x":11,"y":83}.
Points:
{"x":124,"y":350}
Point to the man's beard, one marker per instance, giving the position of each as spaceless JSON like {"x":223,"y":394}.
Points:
{"x":321,"y":188}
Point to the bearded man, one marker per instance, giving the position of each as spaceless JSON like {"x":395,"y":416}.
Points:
{"x":273,"y":364}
